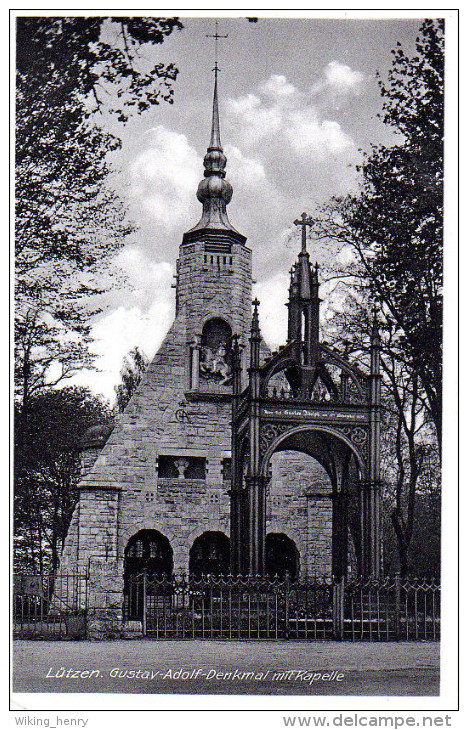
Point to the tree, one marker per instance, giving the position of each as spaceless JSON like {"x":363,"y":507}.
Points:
{"x":47,"y":472}
{"x":73,"y":74}
{"x":393,"y":226}
{"x":385,"y":244}
{"x":410,"y":469}
{"x":132,"y":371}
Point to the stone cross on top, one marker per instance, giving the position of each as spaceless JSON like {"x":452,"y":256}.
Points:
{"x":304,"y":221}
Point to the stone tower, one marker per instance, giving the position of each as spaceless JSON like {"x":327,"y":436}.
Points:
{"x":155,"y":492}
{"x":166,"y":465}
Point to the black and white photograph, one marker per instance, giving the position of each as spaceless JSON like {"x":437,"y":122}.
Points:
{"x":229,"y":420}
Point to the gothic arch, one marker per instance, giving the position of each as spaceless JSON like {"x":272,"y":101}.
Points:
{"x":213,"y":525}
{"x":310,"y":427}
{"x":217,"y":315}
{"x":282,"y":555}
{"x":280,"y":526}
{"x":221,"y":322}
{"x":150,"y":552}
{"x":276,"y":368}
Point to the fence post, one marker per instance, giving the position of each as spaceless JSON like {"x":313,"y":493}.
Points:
{"x":338,"y":609}
{"x":397,"y":605}
{"x":143,"y":616}
{"x":286,"y":605}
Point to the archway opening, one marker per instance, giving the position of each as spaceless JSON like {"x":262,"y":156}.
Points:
{"x":210,"y":555}
{"x":282,"y":556}
{"x":148,"y":552}
{"x":314,"y":491}
{"x":299,"y":503}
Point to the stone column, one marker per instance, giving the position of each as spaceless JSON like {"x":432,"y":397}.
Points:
{"x":195,"y":364}
{"x":340,"y":534}
{"x":105,"y":599}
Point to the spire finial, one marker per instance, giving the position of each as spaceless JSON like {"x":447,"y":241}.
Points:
{"x":216,"y":37}
{"x":215,"y":192}
{"x":255,"y":318}
{"x":215,"y":141}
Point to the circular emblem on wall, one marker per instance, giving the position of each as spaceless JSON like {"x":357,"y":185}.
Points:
{"x":182,"y":416}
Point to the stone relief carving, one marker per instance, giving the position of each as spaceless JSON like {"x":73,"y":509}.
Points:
{"x":214,"y":365}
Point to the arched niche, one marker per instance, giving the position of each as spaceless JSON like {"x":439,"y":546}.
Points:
{"x":215,"y":352}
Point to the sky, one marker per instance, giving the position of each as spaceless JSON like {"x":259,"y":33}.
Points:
{"x":299,"y":102}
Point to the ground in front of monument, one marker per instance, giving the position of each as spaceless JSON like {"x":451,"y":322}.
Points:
{"x":235,"y":667}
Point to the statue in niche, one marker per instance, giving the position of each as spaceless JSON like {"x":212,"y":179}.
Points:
{"x":214,"y":363}
{"x":215,"y":352}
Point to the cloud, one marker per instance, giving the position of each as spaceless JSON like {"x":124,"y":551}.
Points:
{"x":255,"y":197}
{"x":130,"y":325}
{"x":273,"y":294}
{"x":341,"y":77}
{"x":164,"y":178}
{"x":144,"y":275}
{"x":278,"y":86}
{"x":283,"y":115}
{"x":256,"y":121}
{"x":319,"y":139}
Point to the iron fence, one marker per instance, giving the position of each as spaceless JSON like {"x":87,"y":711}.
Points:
{"x":236,"y":607}
{"x":49,"y":606}
{"x":230,"y":607}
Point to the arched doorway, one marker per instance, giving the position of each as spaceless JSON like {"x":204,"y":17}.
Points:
{"x":282,"y":556}
{"x":210,"y":555}
{"x":148,"y":558}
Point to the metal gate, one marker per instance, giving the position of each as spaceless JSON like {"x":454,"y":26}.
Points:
{"x":49,"y":606}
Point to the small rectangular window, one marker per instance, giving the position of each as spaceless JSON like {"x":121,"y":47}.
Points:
{"x":167,"y":468}
{"x":196,"y":468}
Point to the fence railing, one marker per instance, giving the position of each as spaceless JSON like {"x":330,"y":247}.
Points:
{"x":237,"y":607}
{"x":391,"y":609}
{"x":263,"y":608}
{"x":50,"y":606}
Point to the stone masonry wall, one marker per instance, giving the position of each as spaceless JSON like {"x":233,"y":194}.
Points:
{"x":299,"y":505}
{"x":121,"y":493}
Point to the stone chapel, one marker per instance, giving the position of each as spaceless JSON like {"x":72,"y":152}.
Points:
{"x":155,"y":491}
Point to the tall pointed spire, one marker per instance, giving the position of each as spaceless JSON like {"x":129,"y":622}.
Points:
{"x":215,"y":192}
{"x":215,"y":142}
